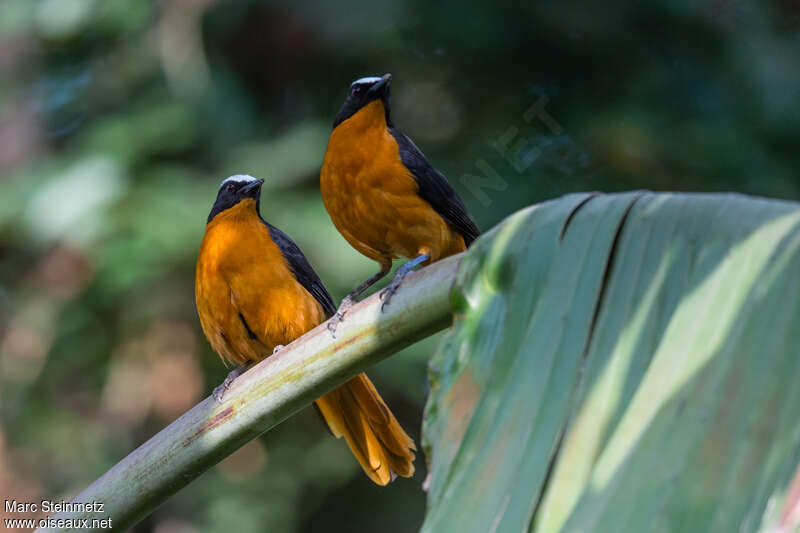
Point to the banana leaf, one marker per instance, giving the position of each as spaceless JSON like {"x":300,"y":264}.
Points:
{"x":625,"y":362}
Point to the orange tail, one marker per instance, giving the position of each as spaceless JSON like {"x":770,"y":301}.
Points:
{"x":358,"y":412}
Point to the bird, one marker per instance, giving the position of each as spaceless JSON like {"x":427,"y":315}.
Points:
{"x":383,"y":195}
{"x":256,"y":292}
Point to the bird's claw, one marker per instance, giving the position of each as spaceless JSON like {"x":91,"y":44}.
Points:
{"x":220,"y":390}
{"x":333,"y":322}
{"x":338,"y":316}
{"x":277,"y":348}
{"x":388,"y":291}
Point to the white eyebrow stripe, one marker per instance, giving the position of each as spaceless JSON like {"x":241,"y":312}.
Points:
{"x":238,"y":177}
{"x":368,"y":79}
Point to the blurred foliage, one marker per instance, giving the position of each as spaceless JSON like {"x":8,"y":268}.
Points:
{"x":118,"y":119}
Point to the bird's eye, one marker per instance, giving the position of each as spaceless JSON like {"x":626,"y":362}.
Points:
{"x":230,"y":187}
{"x":356,"y":90}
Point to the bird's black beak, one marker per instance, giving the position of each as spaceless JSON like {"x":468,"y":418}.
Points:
{"x":252,"y":189}
{"x":381,"y":85}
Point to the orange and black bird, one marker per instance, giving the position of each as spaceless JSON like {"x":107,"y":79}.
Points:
{"x":256,"y":292}
{"x":382,"y":194}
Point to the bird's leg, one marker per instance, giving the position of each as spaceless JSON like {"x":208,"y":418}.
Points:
{"x":389,"y":290}
{"x":350,"y":299}
{"x":220,"y":391}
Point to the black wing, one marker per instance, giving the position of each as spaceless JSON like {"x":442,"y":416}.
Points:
{"x":434,"y":188}
{"x":301,"y":268}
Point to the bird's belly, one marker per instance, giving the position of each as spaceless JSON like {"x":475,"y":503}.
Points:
{"x":248,"y":326}
{"x":383,"y":217}
{"x":221,"y":323}
{"x":247,"y":298}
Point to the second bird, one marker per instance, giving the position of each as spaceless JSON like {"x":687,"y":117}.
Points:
{"x":382,"y":194}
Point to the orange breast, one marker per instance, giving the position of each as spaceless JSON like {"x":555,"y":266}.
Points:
{"x":247,"y":298}
{"x":372,"y":197}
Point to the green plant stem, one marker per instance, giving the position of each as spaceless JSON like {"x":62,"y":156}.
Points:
{"x":267,"y":394}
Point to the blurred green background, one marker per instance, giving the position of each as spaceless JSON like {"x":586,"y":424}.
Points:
{"x":119,"y":118}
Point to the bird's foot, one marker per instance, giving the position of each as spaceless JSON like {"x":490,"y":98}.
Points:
{"x":278,"y":348}
{"x":338,"y":316}
{"x":219,"y":392}
{"x":388,"y":291}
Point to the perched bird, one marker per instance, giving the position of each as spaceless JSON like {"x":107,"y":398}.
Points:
{"x":382,"y":194}
{"x":256,"y":292}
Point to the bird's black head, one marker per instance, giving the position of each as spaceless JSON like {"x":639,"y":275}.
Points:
{"x":362,"y":92}
{"x":234,"y":190}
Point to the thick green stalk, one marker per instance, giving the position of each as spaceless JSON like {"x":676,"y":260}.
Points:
{"x":267,"y":394}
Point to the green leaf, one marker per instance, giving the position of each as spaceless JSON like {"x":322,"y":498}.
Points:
{"x":621,"y":363}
